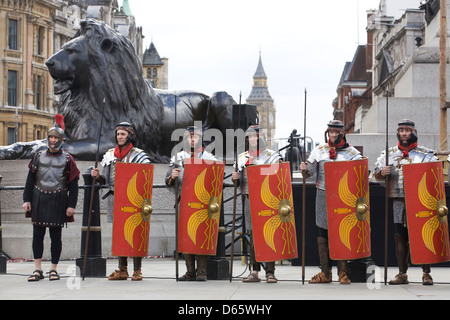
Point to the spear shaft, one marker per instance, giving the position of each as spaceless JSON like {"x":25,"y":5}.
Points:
{"x":386,"y":202}
{"x":304,"y":196}
{"x":91,"y":202}
{"x":233,"y":226}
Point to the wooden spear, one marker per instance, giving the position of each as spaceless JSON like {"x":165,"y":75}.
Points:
{"x":304,"y":197}
{"x":91,"y":202}
{"x":234,"y":197}
{"x":386,"y":202}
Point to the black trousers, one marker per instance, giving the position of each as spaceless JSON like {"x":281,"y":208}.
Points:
{"x":56,"y":242}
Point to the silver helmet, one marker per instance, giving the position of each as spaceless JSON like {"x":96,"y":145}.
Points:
{"x":57,"y":131}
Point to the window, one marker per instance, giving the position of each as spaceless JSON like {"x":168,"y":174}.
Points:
{"x":40,"y":40}
{"x":12,"y":88}
{"x":155,"y":73}
{"x":38,"y":93}
{"x":11,"y":135}
{"x":12,"y":34}
{"x":149,"y":73}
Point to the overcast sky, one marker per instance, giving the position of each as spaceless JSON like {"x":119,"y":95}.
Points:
{"x":215,"y":45}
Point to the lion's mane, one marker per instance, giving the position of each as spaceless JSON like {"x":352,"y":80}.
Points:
{"x":113,"y":86}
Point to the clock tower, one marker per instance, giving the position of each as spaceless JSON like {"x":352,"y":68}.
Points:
{"x":260,"y":97}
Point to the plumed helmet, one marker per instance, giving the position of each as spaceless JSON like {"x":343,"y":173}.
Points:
{"x":58,"y":128}
{"x":57,"y":131}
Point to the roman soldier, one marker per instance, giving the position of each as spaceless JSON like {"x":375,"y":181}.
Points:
{"x":256,"y":153}
{"x":50,"y":197}
{"x":407,"y":151}
{"x":193,"y":149}
{"x":125,"y":151}
{"x":335,"y":148}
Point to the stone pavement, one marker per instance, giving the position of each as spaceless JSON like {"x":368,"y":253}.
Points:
{"x":159,"y":284}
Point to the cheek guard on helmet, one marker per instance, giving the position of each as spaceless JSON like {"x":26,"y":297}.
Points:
{"x":57,"y":131}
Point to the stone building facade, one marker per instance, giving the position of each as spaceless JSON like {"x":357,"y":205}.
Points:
{"x":156,"y":69}
{"x":32,"y":31}
{"x":405,"y":79}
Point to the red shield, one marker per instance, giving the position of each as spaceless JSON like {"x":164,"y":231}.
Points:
{"x":201,"y":200}
{"x":348,"y":209}
{"x":426,"y":212}
{"x":132,"y":208}
{"x":272,"y":212}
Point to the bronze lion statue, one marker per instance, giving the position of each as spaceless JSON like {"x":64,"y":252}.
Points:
{"x":98,"y":74}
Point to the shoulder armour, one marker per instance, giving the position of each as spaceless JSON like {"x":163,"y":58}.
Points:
{"x":108,"y":158}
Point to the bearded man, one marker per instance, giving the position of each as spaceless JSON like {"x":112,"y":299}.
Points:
{"x":407,"y":151}
{"x":335,"y":148}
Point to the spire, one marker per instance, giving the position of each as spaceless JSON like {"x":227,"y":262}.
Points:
{"x":151,"y":56}
{"x":260,"y":89}
{"x":260,"y":73}
{"x":126,"y":8}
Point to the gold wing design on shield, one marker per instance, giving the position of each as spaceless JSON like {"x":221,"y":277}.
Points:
{"x":209,"y":206}
{"x":200,"y":191}
{"x":199,"y":216}
{"x":431,"y":203}
{"x":284,"y":219}
{"x":344,"y":192}
{"x":134,"y":220}
{"x":425,"y":197}
{"x":345,"y":227}
{"x":350,"y":221}
{"x":266,"y":195}
{"x":428,"y":231}
{"x":269,"y":231}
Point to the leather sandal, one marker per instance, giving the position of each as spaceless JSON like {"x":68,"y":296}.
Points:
{"x":53,"y":275}
{"x":343,"y":278}
{"x":401,"y":278}
{"x":137,"y":275}
{"x":36,"y":276}
{"x":320,"y":278}
{"x":253,"y":277}
{"x":121,"y":274}
{"x":427,"y":280}
{"x":271,"y":278}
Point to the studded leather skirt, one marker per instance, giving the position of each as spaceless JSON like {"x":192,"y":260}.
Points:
{"x":48,"y":208}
